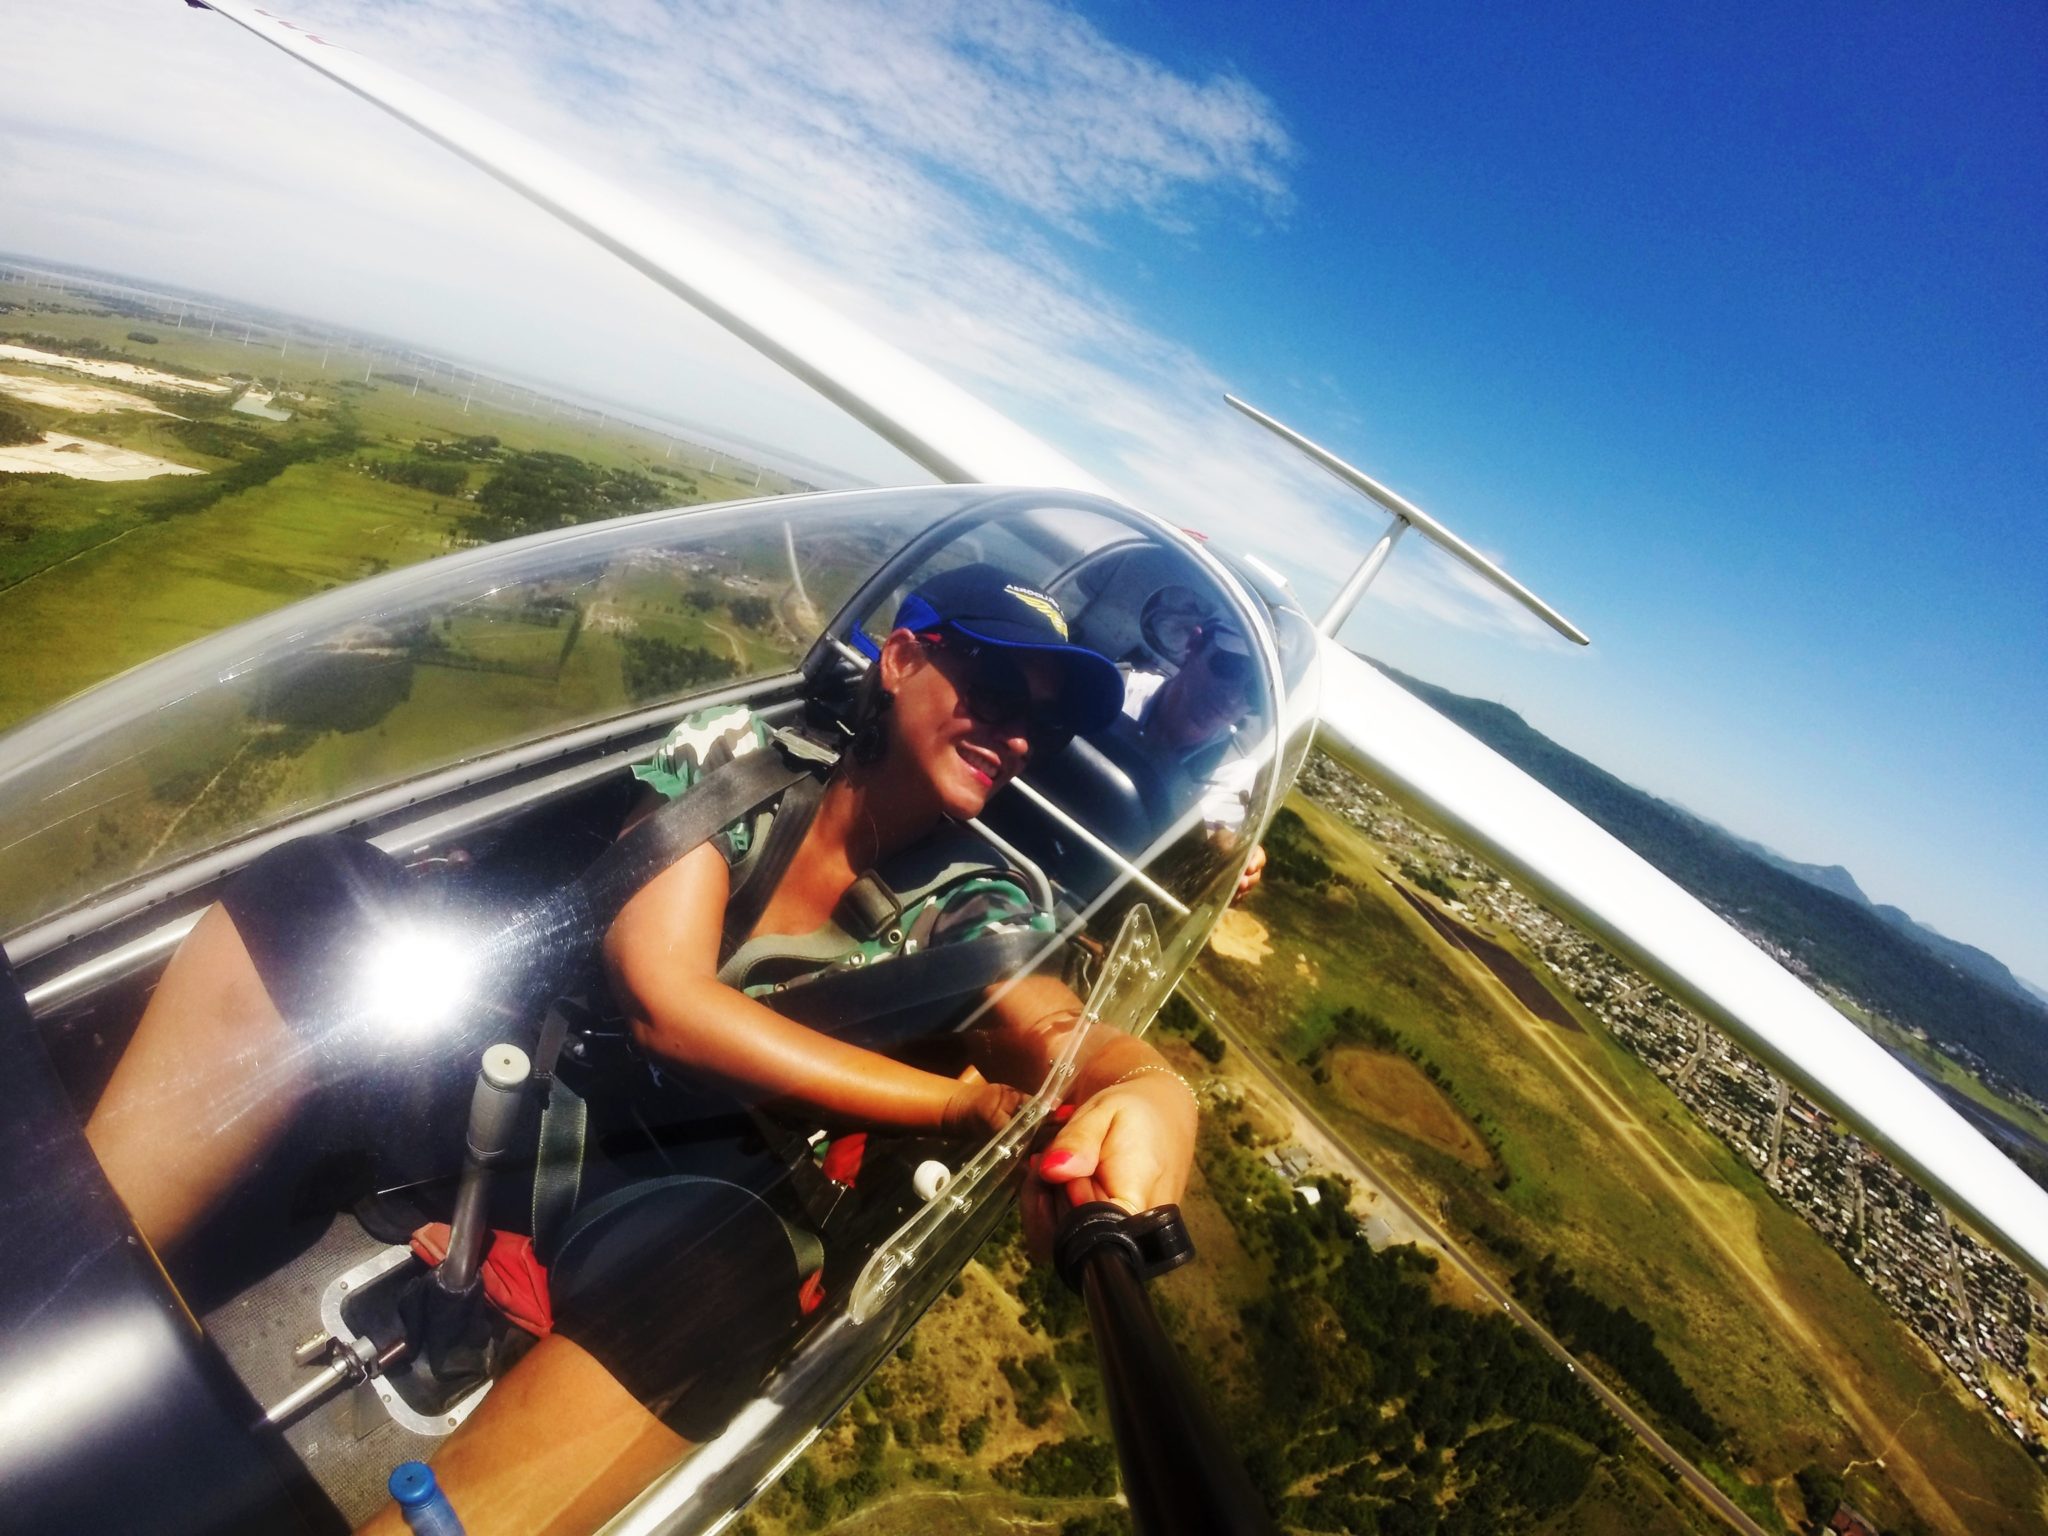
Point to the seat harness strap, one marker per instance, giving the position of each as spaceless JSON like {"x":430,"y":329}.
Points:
{"x":595,"y":899}
{"x":749,"y":899}
{"x":848,"y":996}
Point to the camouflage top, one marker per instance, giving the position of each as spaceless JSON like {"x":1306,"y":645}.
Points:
{"x":950,"y":885}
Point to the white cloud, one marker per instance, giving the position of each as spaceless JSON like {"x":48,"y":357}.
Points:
{"x":934,"y":170}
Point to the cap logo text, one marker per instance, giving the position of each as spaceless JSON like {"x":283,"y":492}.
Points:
{"x":1043,"y":604}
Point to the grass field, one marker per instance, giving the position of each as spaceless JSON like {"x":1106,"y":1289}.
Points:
{"x":99,"y":577}
{"x":1607,"y":1170}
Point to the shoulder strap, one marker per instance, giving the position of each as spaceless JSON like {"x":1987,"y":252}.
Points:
{"x":749,"y":899}
{"x":849,"y":996}
{"x":713,"y":803}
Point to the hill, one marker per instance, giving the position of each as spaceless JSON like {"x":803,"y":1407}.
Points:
{"x":1879,"y":956}
{"x":1833,"y":877}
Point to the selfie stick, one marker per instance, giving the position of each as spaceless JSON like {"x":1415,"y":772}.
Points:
{"x":1180,"y":1473}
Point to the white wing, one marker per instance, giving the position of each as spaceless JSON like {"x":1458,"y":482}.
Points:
{"x":933,"y":421}
{"x":1648,"y":918}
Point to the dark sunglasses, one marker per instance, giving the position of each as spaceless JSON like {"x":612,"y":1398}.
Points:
{"x":996,"y":691}
{"x":1227,"y":666}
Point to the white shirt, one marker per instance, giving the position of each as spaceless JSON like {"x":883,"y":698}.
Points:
{"x":1227,"y":792}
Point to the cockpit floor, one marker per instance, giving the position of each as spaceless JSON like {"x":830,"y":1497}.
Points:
{"x":348,"y":1443}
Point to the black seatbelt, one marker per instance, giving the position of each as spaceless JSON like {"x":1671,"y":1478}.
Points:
{"x":590,"y":904}
{"x":846,"y":997}
{"x":564,"y":1126}
{"x":749,"y":899}
{"x":720,"y":798}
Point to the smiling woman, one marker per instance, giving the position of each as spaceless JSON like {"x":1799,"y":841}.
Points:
{"x":841,"y":919}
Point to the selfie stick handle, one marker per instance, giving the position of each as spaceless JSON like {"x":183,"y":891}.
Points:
{"x":1180,"y":1473}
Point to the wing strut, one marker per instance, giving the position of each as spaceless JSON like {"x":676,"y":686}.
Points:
{"x":1406,"y":515}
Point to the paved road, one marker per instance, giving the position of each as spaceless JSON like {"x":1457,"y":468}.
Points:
{"x":1695,"y":1479}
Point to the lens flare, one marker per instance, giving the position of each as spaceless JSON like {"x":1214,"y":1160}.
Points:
{"x":415,"y":981}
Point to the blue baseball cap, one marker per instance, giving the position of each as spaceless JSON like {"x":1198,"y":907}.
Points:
{"x":989,"y":605}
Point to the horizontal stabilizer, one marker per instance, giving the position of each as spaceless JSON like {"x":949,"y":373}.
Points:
{"x":1506,"y":816}
{"x":1414,"y":517}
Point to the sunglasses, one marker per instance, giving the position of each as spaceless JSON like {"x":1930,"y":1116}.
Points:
{"x":996,"y":691}
{"x":1227,"y":666}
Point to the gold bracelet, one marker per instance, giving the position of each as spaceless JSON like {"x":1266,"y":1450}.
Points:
{"x":1153,"y":1066}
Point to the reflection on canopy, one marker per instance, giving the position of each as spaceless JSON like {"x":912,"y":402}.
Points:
{"x":474,"y":719}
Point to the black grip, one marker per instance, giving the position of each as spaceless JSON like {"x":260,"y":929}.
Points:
{"x":1151,"y":1242}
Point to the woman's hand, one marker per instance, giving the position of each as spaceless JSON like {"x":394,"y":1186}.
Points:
{"x":1130,"y":1143}
{"x":979,"y":1107}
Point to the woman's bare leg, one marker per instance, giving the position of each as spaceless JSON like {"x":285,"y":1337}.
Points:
{"x":211,"y":1078}
{"x":556,"y":1450}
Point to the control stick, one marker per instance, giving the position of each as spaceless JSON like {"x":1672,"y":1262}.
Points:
{"x":494,"y":1115}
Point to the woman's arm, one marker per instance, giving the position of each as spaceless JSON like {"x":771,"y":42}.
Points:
{"x":662,"y":957}
{"x":1132,"y":1137}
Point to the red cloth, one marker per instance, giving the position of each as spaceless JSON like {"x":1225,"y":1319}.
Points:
{"x":515,"y":1282}
{"x":812,"y":1294}
{"x":842,"y":1158}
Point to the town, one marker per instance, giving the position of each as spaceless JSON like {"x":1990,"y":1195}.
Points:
{"x":1970,"y":1304}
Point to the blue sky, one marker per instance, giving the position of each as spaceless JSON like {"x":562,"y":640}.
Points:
{"x":1724,"y":332}
{"x":1730,"y":329}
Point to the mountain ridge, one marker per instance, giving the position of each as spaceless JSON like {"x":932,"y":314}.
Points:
{"x":1834,"y":877}
{"x":1878,"y":954}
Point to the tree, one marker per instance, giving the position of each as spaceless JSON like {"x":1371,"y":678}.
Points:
{"x":655,"y":668}
{"x":752,"y":612}
{"x":1062,"y":1469}
{"x":1820,"y":1491}
{"x":1293,"y":856}
{"x":16,"y":429}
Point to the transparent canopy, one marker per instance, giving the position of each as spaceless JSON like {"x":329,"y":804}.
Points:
{"x":476,"y":720}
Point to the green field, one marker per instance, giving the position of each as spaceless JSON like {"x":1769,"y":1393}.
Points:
{"x":99,"y":577}
{"x":91,"y":583}
{"x":1602,"y":1167}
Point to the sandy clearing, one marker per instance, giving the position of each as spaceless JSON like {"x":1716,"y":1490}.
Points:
{"x":120,"y":373}
{"x":1240,"y":936}
{"x":1393,"y":1090}
{"x":84,"y":398}
{"x":61,"y":454}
